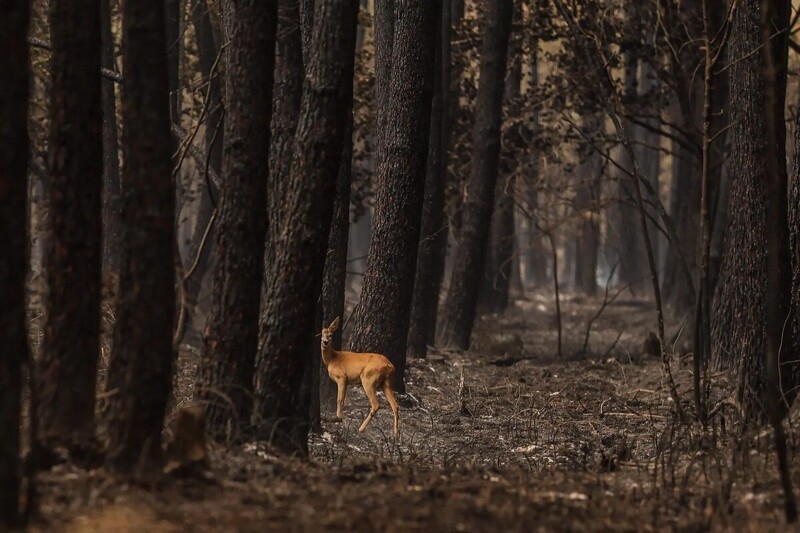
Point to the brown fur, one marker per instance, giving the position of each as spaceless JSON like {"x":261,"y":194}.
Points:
{"x":373,"y":370}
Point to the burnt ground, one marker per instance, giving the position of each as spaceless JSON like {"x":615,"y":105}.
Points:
{"x":509,"y":436}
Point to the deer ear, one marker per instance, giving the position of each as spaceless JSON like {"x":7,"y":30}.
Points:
{"x":334,"y":324}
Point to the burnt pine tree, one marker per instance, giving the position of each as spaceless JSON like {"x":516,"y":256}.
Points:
{"x":231,"y":336}
{"x":111,"y":188}
{"x":740,"y":306}
{"x":779,"y":275}
{"x":200,"y":253}
{"x":496,"y":281}
{"x":71,"y":343}
{"x":587,"y":198}
{"x":14,"y":259}
{"x":462,"y":296}
{"x":286,"y":96}
{"x":380,"y":320}
{"x":335,"y":273}
{"x":433,"y":229}
{"x":294,"y":281}
{"x":140,"y":369}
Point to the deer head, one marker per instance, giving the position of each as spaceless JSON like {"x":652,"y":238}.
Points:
{"x":327,"y":333}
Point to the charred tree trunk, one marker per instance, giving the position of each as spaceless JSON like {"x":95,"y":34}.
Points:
{"x":587,"y":198}
{"x":739,"y":321}
{"x":496,"y":282}
{"x":111,"y":187}
{"x":684,"y":210}
{"x":384,"y":42}
{"x":14,"y":259}
{"x":633,"y":269}
{"x":335,"y":273}
{"x":207,"y":51}
{"x":286,"y":97}
{"x":214,"y":138}
{"x":231,"y":336}
{"x":647,"y":153}
{"x":536,"y":254}
{"x":140,"y":370}
{"x":71,"y":343}
{"x":459,"y":311}
{"x":381,"y":318}
{"x":681,"y":256}
{"x":295,"y":278}
{"x":172,"y":18}
{"x":779,"y":274}
{"x":433,"y":229}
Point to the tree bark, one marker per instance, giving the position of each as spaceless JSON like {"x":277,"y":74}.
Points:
{"x":335,"y":274}
{"x":632,"y":257}
{"x":140,"y":369}
{"x":384,"y":41}
{"x":71,"y":342}
{"x":740,"y":310}
{"x":684,"y":210}
{"x":496,"y":282}
{"x":286,"y":97}
{"x":587,"y":199}
{"x":536,"y":254}
{"x":381,"y":318}
{"x":172,"y":18}
{"x":433,"y":228}
{"x":231,"y":336}
{"x":14,"y":235}
{"x":295,"y":279}
{"x":111,"y":186}
{"x":214,"y":139}
{"x":459,"y":311}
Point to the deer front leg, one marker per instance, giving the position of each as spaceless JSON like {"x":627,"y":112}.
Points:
{"x":341,"y":385}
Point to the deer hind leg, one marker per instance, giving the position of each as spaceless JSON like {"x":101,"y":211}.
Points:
{"x":369,"y":388}
{"x":387,"y":391}
{"x":341,"y":384}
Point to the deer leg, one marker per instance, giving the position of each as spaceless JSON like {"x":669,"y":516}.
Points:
{"x":341,"y":384}
{"x":369,"y":388}
{"x":387,"y":391}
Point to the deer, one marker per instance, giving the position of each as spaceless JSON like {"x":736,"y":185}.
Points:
{"x":373,"y":370}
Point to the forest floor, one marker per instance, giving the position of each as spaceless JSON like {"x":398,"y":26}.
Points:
{"x":507,"y":437}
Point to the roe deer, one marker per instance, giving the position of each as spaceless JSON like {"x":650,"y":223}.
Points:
{"x":373,"y":370}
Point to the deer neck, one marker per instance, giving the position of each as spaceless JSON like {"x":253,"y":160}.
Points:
{"x":328,"y":353}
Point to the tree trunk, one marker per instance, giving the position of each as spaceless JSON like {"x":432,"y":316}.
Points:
{"x":647,"y":152}
{"x":214,"y":138}
{"x":587,"y":205}
{"x":295,"y":279}
{"x":335,"y":273}
{"x":632,"y":257}
{"x":433,"y":229}
{"x":14,"y":235}
{"x":681,"y":256}
{"x":286,"y":97}
{"x":536,"y":253}
{"x":381,"y":318}
{"x":111,"y":188}
{"x":493,"y":296}
{"x":477,"y":209}
{"x":172,"y":18}
{"x":739,"y":319}
{"x":207,"y":52}
{"x":140,"y":369}
{"x":225,"y":380}
{"x":384,"y":41}
{"x":71,"y":342}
